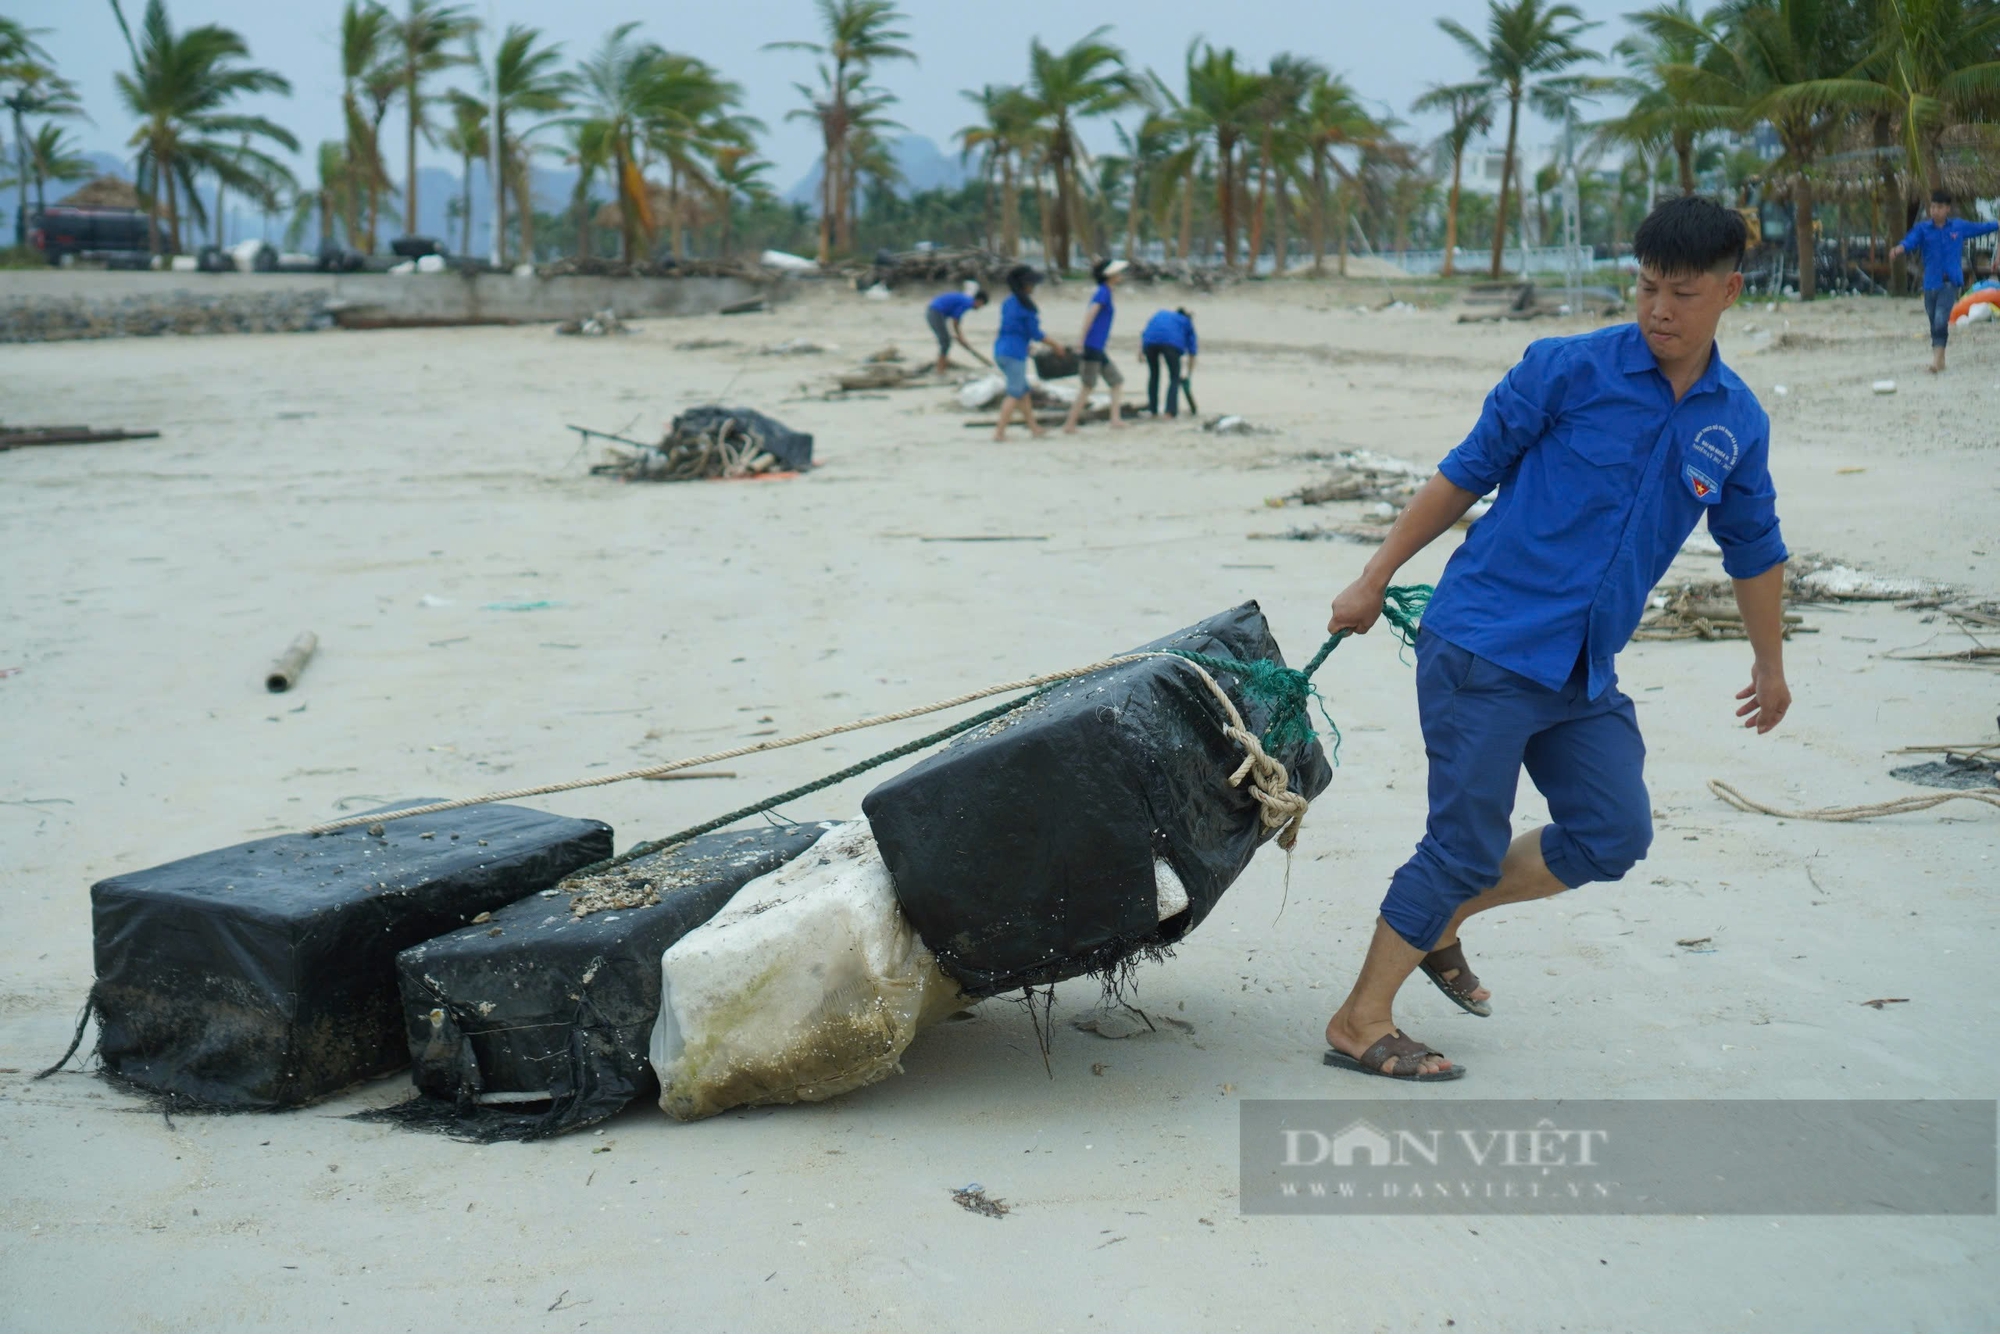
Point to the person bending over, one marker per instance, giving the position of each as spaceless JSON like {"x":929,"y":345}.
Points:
{"x":1607,"y":449}
{"x":1166,"y":338}
{"x":1020,"y":330}
{"x":1095,"y":360}
{"x":945,"y":314}
{"x":1941,"y":241}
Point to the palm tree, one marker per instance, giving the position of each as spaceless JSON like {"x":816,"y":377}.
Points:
{"x":364,"y":55}
{"x":33,"y":88}
{"x":1222,"y":103}
{"x":1667,"y":110}
{"x":1004,"y":134}
{"x":1470,"y":108}
{"x":1934,"y":64}
{"x":323,"y":205}
{"x":615,"y":87}
{"x":1529,"y":43}
{"x":687,"y":122}
{"x":52,"y":156}
{"x":525,"y":79}
{"x":1150,"y":152}
{"x":467,"y":137}
{"x":1287,"y":83}
{"x":739,"y":176}
{"x":1086,"y":80}
{"x":1333,"y":117}
{"x":859,"y":34}
{"x":179,"y":89}
{"x":422,"y":39}
{"x":1785,"y":63}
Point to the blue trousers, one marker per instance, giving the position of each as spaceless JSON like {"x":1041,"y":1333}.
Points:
{"x":1482,"y":724}
{"x":1938,"y":302}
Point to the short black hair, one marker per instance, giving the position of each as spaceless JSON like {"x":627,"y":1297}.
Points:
{"x":979,"y":297}
{"x":1690,"y":234}
{"x":1940,"y":196}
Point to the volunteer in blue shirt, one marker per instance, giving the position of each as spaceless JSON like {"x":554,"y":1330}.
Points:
{"x":1095,"y":360}
{"x":1941,"y":241}
{"x":944,"y":314}
{"x":1020,"y":330}
{"x":1607,"y":449}
{"x":1168,"y":335}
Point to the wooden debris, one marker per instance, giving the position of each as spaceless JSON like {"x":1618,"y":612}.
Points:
{"x":20,"y":437}
{"x":285,"y":672}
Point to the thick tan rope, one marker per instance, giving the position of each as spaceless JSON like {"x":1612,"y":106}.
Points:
{"x":1269,"y":783}
{"x":1842,"y":814}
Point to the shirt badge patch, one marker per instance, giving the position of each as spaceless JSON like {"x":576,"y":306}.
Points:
{"x":1716,"y":447}
{"x":1704,"y":487}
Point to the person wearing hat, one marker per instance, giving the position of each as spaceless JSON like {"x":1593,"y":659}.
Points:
{"x":1020,"y":330}
{"x":945,"y":313}
{"x":1096,"y":335}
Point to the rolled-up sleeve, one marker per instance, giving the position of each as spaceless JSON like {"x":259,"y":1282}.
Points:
{"x":1744,"y":523}
{"x":1517,"y":413}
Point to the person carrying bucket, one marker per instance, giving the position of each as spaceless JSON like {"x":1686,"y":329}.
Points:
{"x":1941,"y":241}
{"x":1020,"y":330}
{"x":945,"y":314}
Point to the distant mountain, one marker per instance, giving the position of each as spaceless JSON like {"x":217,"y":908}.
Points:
{"x":923,"y":164}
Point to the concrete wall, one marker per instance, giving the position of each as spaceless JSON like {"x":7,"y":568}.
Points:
{"x":42,"y":305}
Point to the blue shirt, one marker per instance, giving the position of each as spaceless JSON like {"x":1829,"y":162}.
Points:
{"x":1099,"y":332}
{"x":952,"y":305}
{"x":1169,"y":328}
{"x":1943,"y":249}
{"x":1019,"y":327}
{"x":1602,"y":476}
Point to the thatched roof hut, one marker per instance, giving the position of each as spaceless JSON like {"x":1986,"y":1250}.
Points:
{"x":104,"y":192}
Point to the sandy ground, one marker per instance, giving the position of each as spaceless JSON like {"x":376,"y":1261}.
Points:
{"x":380,"y":488}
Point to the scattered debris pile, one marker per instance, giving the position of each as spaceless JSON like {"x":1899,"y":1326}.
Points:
{"x":1703,"y":609}
{"x":1962,"y":769}
{"x":707,"y":444}
{"x":1487,"y":302}
{"x":1232,"y":424}
{"x":595,"y":326}
{"x":591,"y":266}
{"x":893,"y":269}
{"x":1360,"y":475}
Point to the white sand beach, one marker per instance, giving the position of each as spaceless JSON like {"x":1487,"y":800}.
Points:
{"x":383,"y":489}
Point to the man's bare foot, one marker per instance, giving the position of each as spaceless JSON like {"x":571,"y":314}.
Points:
{"x":999,"y":437}
{"x":1353,"y":1038}
{"x":1069,"y":428}
{"x":1038,"y":433}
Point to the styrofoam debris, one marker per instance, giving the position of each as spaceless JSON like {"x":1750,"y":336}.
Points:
{"x":982,"y":393}
{"x":808,"y":984}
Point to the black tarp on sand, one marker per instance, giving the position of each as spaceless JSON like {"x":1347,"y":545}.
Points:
{"x":263,"y":975}
{"x":1023,"y":851}
{"x":538,"y":1022}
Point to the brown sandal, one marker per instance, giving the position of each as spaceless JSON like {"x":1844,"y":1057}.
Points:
{"x":1408,"y":1054}
{"x":1460,"y":988}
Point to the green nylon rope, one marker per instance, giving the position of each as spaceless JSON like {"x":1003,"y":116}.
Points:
{"x":1284,"y":692}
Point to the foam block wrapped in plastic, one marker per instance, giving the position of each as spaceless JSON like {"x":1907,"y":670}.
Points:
{"x":264,"y":975}
{"x":537,"y":1021}
{"x":807,"y":985}
{"x":1024,"y":852}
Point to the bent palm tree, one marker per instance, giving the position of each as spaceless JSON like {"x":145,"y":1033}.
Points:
{"x":1470,"y":109}
{"x":180,"y":88}
{"x":1333,"y":117}
{"x":53,"y":156}
{"x":33,"y":88}
{"x":467,"y":137}
{"x":524,"y":80}
{"x":364,"y":53}
{"x":1528,"y":45}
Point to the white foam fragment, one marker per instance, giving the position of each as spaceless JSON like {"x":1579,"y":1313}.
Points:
{"x":808,"y":984}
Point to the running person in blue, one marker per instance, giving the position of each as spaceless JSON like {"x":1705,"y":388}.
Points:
{"x":944,"y":315}
{"x":1607,"y":449}
{"x":1941,"y":242}
{"x":1095,"y":360}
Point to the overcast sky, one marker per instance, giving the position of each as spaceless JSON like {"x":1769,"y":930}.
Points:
{"x":1388,"y":51}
